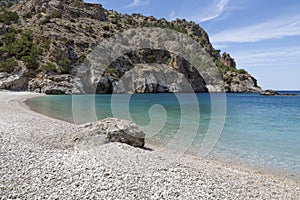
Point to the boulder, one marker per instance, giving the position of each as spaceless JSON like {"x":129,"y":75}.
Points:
{"x":111,"y":130}
{"x":16,"y":81}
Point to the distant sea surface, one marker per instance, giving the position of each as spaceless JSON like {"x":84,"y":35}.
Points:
{"x":260,"y":132}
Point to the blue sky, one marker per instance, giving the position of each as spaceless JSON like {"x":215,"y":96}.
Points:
{"x":263,"y":36}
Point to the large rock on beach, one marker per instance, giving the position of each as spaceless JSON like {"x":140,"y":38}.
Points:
{"x":110,"y":130}
{"x":15,"y":81}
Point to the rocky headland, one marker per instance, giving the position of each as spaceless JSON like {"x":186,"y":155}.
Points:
{"x":274,"y":93}
{"x":44,"y":43}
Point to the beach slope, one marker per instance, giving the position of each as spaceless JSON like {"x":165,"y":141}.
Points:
{"x":38,"y":159}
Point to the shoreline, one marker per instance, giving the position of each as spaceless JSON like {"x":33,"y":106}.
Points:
{"x":275,"y":173}
{"x":151,"y":145}
{"x":45,"y":143}
{"x":255,"y":167}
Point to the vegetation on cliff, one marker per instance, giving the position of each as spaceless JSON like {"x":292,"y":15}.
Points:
{"x":54,"y":37}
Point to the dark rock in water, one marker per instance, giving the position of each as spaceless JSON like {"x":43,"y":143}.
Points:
{"x":274,"y":93}
{"x":111,"y":130}
{"x":269,"y":93}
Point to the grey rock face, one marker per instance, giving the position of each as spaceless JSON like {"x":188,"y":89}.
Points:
{"x":55,"y":84}
{"x":153,"y":78}
{"x":71,"y":8}
{"x":17,"y":80}
{"x":3,"y":29}
{"x":111,"y":130}
{"x":241,"y":83}
{"x":144,"y":71}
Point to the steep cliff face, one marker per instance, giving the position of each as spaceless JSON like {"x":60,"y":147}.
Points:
{"x":44,"y":42}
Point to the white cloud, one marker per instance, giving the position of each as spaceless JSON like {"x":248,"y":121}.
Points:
{"x":92,"y":1}
{"x":138,"y":3}
{"x":273,"y":29}
{"x":216,"y":12}
{"x":172,"y":15}
{"x":212,"y":12}
{"x":268,"y":57}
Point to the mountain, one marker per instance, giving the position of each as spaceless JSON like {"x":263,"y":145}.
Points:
{"x":45,"y":43}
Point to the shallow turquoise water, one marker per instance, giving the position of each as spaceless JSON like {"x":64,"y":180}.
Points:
{"x":260,"y":132}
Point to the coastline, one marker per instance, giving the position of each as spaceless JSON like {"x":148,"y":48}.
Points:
{"x":39,"y":159}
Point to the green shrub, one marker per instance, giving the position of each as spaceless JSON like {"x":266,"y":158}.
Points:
{"x":129,"y":21}
{"x":46,"y":43}
{"x":242,"y":71}
{"x":89,"y":29}
{"x":235,"y":82}
{"x":55,"y":14}
{"x":48,"y":67}
{"x":46,"y":20}
{"x":106,"y":27}
{"x":115,"y":21}
{"x":227,"y":79}
{"x":23,"y":47}
{"x":119,"y":25}
{"x":28,"y":15}
{"x":64,"y":65}
{"x":31,"y":62}
{"x":222,"y":67}
{"x":68,"y":27}
{"x":243,"y":78}
{"x":166,"y":59}
{"x":111,"y":70}
{"x":7,"y":17}
{"x":151,"y":58}
{"x":6,"y":4}
{"x":8,"y":65}
{"x":9,"y":38}
{"x":82,"y":58}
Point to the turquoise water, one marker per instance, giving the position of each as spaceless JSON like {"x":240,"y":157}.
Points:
{"x":261,"y":132}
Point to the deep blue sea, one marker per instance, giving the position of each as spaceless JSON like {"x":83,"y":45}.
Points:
{"x":259,"y":132}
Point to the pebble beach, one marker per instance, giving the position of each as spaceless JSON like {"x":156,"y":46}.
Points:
{"x":39,"y":159}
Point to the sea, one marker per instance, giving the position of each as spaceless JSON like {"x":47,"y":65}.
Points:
{"x":257,"y":132}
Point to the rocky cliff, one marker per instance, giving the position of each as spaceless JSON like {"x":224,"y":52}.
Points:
{"x":44,"y":44}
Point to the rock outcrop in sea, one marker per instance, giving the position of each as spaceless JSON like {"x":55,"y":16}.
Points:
{"x":274,"y":93}
{"x":44,"y":43}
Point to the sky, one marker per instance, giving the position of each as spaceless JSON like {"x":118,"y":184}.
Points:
{"x":263,"y":36}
